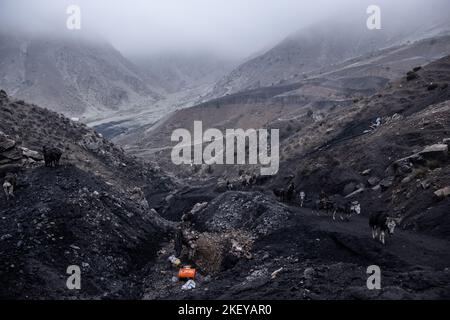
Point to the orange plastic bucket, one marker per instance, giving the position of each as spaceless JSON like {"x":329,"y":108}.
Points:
{"x":186,"y":273}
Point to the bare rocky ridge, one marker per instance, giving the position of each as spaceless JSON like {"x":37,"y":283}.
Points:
{"x":331,"y":88}
{"x":320,"y":48}
{"x":75,"y":76}
{"x":93,"y":211}
{"x":404,"y":169}
{"x":357,"y":74}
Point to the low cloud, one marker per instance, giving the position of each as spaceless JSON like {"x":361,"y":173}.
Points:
{"x":235,"y":28}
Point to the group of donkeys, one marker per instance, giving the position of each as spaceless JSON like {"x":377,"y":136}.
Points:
{"x":52,"y":156}
{"x":381,"y":224}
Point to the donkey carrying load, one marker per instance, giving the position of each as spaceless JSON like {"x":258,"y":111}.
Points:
{"x":382,"y":225}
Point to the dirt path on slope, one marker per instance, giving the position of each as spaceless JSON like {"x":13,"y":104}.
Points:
{"x":410,"y":247}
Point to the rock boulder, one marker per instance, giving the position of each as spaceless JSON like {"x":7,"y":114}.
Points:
{"x":443,"y":193}
{"x":435,"y":152}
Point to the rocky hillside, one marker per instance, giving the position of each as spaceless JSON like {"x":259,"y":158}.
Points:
{"x":390,"y":150}
{"x":330,"y":144}
{"x":398,"y":165}
{"x":252,"y":247}
{"x":94,"y":211}
{"x":329,"y":89}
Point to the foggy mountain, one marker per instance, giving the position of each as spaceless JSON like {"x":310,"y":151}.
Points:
{"x":185,"y":79}
{"x":75,"y":76}
{"x":182,"y":71}
{"x":92,"y":80}
{"x":345,"y":57}
{"x":320,"y":47}
{"x":336,"y":86}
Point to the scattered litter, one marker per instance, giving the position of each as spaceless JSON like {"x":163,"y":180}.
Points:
{"x":174,"y":261}
{"x":308,"y":273}
{"x":186,"y":273}
{"x":376,"y":124}
{"x":275,"y":273}
{"x":360,"y":190}
{"x":235,"y":245}
{"x":6,"y":236}
{"x":174,"y":279}
{"x":425,"y":185}
{"x":188,"y":285}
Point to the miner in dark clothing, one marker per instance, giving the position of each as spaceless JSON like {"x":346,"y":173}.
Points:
{"x":290,"y":192}
{"x":178,"y":241}
{"x":323,"y":198}
{"x":185,"y":236}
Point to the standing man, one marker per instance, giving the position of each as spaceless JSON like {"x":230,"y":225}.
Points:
{"x":185,"y":236}
{"x":302,"y":198}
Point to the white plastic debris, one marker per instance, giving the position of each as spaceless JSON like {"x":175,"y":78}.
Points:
{"x":275,"y":273}
{"x":174,"y":260}
{"x":188,"y":285}
{"x":376,"y":124}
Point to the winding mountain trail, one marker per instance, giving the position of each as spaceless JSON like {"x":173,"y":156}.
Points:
{"x":336,"y":253}
{"x":410,"y":247}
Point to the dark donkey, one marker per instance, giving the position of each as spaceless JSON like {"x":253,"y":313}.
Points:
{"x":51,"y":156}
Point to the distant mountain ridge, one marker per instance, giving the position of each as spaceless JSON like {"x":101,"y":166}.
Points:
{"x":72,"y":75}
{"x":318,"y":48}
{"x":180,"y":71}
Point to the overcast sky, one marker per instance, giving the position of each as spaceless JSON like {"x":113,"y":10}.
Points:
{"x":232,"y":27}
